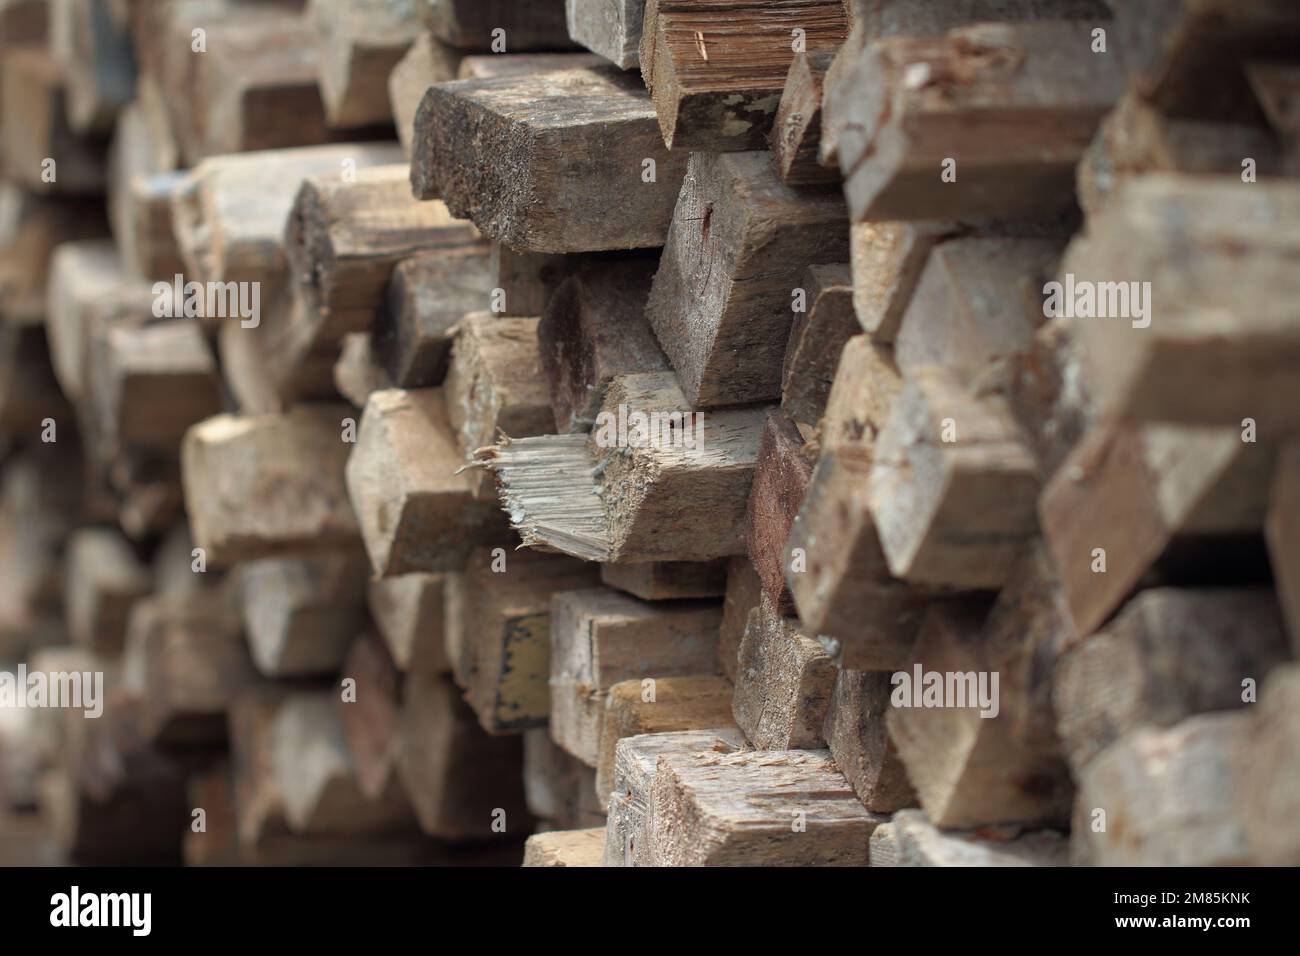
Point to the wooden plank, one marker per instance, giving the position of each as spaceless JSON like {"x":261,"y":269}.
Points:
{"x":1134,"y":673}
{"x":426,"y":62}
{"x":489,"y":66}
{"x":744,"y":591}
{"x":1127,"y":495}
{"x":952,"y":513}
{"x":495,"y":386}
{"x":460,"y":780}
{"x":975,"y":95}
{"x":970,"y":308}
{"x":600,"y":637}
{"x":909,"y":839}
{"x":415,"y":512}
{"x":104,"y":578}
{"x":1267,"y":788}
{"x":587,"y":498}
{"x":469,"y":24}
{"x":254,"y":87}
{"x":93,"y":47}
{"x":427,"y":296}
{"x":524,"y":281}
{"x":141,"y":177}
{"x":357,"y":372}
{"x":725,"y":328}
{"x":1282,"y":531}
{"x":611,"y":28}
{"x":779,"y":808}
{"x":357,"y":46}
{"x":781,"y":479}
{"x":1135,"y":138}
{"x":497,"y":631}
{"x":859,"y":742}
{"x":407,"y":611}
{"x":716,"y":68}
{"x":817,"y":337}
{"x":231,"y":211}
{"x":195,"y":663}
{"x":1142,"y":357}
{"x":301,"y":613}
{"x":371,"y":714}
{"x":673,"y":704}
{"x":566,"y":848}
{"x":317,"y":776}
{"x":969,"y":767}
{"x":36,"y":130}
{"x":344,"y":238}
{"x":589,"y":189}
{"x":1170,"y":797}
{"x":784,"y":682}
{"x":628,"y":832}
{"x":1169,"y":50}
{"x":31,"y":228}
{"x":593,"y":328}
{"x":863,"y":390}
{"x":887,"y":259}
{"x":795,"y":139}
{"x":667,"y":580}
{"x":257,"y":486}
{"x":150,"y":383}
{"x":561,"y":789}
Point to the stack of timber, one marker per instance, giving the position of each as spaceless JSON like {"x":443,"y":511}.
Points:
{"x":649,"y":432}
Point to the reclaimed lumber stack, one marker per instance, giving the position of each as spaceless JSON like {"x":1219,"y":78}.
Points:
{"x":651,"y":432}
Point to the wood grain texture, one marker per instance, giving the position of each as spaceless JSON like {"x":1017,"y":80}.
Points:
{"x":859,"y":741}
{"x":628,"y":832}
{"x":601,"y":637}
{"x":743,"y":809}
{"x":611,"y":28}
{"x":593,"y":328}
{"x":975,"y":95}
{"x":716,"y":68}
{"x":574,"y":143}
{"x":953,"y":486}
{"x":817,"y":337}
{"x":495,"y":386}
{"x":427,"y":61}
{"x":781,"y":478}
{"x":784,"y":681}
{"x":230,"y":213}
{"x":673,"y":705}
{"x":795,"y":139}
{"x":344,"y":238}
{"x":415,"y":512}
{"x":738,"y":246}
{"x":566,"y":848}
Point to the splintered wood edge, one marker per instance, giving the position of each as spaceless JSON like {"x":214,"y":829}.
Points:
{"x":547,"y":486}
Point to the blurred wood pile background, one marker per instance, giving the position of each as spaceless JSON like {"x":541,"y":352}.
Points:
{"x":328,"y":335}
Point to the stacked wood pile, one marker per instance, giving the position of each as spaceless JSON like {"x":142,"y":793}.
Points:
{"x":672,"y":432}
